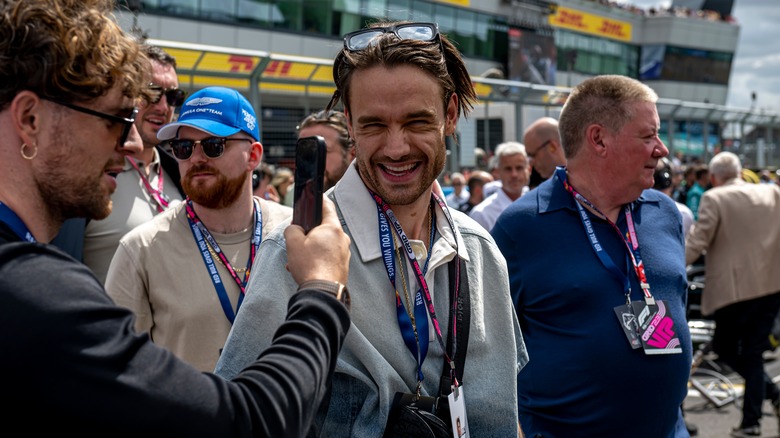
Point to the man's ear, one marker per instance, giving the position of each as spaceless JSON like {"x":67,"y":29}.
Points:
{"x":451,"y":115}
{"x":595,"y":138}
{"x":25,"y":113}
{"x":255,"y":155}
{"x":349,"y":123}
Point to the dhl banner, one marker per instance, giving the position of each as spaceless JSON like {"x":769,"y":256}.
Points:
{"x":199,"y":69}
{"x":456,"y":2}
{"x":588,"y":23}
{"x":203,"y":68}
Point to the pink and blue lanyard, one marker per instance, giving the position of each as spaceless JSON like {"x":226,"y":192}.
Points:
{"x":160,"y":199}
{"x":632,"y":244}
{"x":202,"y":235}
{"x":419,"y":349}
{"x":8,"y":217}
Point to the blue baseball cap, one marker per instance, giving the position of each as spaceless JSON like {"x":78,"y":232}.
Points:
{"x":218,"y":111}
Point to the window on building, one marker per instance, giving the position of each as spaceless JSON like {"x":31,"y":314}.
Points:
{"x":422,"y":11}
{"x":259,"y":12}
{"x":398,"y":9}
{"x":495,"y":134}
{"x":593,"y":55}
{"x":693,"y":65}
{"x":292,"y":11}
{"x":317,"y":16}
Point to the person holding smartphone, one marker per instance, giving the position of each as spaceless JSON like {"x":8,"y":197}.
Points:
{"x":74,"y":362}
{"x":215,"y":232}
{"x":433,"y":320}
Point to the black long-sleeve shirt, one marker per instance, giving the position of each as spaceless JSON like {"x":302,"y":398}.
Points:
{"x":72,"y":362}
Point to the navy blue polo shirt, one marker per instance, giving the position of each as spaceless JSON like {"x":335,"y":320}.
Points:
{"x":583,"y":378}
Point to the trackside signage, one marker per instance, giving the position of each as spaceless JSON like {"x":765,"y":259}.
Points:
{"x":579,"y":21}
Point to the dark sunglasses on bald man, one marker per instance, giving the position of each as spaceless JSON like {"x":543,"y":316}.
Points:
{"x":174,"y":96}
{"x":213,"y":147}
{"x":359,"y":40}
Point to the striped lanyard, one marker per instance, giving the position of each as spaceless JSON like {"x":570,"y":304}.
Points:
{"x":160,"y":199}
{"x":204,"y":239}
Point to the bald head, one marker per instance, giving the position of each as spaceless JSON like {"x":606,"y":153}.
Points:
{"x":543,"y":146}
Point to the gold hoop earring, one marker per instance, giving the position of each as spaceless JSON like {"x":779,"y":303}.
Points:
{"x":29,"y":157}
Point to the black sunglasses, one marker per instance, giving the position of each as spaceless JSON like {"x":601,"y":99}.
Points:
{"x":174,"y":96}
{"x":127,"y":122}
{"x":360,"y":39}
{"x":213,"y":147}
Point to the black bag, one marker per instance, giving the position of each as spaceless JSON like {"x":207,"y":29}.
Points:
{"x":419,"y":418}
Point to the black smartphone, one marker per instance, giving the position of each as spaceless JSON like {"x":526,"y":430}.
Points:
{"x":309,"y":181}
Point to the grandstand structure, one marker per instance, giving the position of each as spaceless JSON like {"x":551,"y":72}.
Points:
{"x":524,"y":57}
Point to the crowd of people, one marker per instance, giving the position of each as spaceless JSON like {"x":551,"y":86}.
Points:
{"x":153,"y":281}
{"x":672,"y":10}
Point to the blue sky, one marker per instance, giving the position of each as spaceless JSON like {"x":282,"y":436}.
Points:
{"x":756,"y":66}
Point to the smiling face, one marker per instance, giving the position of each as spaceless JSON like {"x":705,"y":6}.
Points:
{"x":152,"y":116}
{"x":399,"y":123}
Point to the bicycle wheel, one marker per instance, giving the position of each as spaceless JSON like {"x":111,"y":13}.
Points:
{"x":714,"y":387}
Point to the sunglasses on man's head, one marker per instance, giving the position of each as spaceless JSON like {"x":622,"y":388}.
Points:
{"x":359,"y":40}
{"x":174,"y":96}
{"x":213,"y":147}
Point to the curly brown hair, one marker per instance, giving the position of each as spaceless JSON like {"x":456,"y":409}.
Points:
{"x":72,"y":50}
{"x":389,"y":51}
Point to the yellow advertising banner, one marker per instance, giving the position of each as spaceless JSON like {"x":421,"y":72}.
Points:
{"x":456,"y":2}
{"x":588,"y":23}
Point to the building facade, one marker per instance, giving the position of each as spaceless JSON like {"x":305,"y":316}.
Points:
{"x":279,"y":51}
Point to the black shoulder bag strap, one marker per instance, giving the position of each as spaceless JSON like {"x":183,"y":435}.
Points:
{"x":460,"y":311}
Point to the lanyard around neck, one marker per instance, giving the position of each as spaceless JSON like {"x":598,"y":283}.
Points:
{"x":204,"y":238}
{"x":10,"y":218}
{"x":160,"y":199}
{"x":630,"y":240}
{"x":385,"y":214}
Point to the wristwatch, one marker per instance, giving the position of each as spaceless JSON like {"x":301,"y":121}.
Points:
{"x":334,"y":288}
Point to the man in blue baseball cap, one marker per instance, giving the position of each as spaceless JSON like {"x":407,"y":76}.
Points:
{"x":219,"y":111}
{"x":169,"y":270}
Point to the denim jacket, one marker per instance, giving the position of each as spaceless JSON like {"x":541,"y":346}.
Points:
{"x":374,"y":363}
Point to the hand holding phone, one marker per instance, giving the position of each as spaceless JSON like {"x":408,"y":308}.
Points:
{"x":309,"y":181}
{"x":323,"y":253}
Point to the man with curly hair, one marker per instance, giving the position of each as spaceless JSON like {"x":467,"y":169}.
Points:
{"x":69,"y":80}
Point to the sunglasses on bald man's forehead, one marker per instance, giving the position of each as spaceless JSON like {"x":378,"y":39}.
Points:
{"x":359,"y":40}
{"x":174,"y":96}
{"x":213,"y":147}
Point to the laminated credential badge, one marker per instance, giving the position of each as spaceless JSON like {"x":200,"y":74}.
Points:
{"x":656,"y":328}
